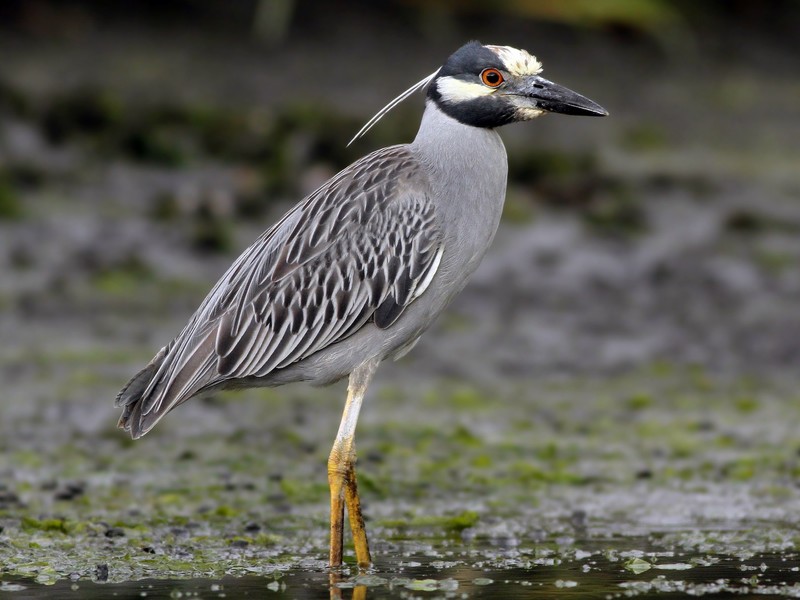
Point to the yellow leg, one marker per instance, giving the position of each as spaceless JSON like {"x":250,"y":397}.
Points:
{"x":357,"y":521}
{"x":336,"y":484}
{"x":342,"y":473}
{"x":335,"y":590}
{"x":359,"y":591}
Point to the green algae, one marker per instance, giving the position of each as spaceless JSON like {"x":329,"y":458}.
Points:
{"x":446,"y":524}
{"x":193,"y":500}
{"x":11,"y":205}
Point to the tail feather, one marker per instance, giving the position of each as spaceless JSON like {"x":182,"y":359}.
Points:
{"x":131,"y":396}
{"x":178,"y":372}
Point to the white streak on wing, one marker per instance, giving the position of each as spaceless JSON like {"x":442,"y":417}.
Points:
{"x":256,"y":335}
{"x":379,"y":115}
{"x":196,"y":375}
{"x":301,"y":345}
{"x":423,"y":285}
{"x":167,"y":371}
{"x":264,"y":352}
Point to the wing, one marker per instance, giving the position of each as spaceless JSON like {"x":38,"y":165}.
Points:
{"x":360,"y":249}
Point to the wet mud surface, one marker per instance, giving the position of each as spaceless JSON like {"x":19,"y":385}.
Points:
{"x":610,"y":409}
{"x":496,"y":574}
{"x":622,"y":474}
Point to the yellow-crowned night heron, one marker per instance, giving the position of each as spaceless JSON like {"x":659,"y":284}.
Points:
{"x":357,"y":271}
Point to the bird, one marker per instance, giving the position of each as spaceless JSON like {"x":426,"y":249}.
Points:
{"x":358,"y":270}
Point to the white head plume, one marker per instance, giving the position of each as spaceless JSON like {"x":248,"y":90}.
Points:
{"x":379,"y":115}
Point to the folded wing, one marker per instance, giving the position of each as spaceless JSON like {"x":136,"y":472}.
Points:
{"x":360,"y":249}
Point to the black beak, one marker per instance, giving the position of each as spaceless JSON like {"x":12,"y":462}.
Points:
{"x":552,"y":97}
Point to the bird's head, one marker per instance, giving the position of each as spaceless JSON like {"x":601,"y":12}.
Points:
{"x":490,"y":86}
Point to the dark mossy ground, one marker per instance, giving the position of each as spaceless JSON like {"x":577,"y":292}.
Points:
{"x":610,"y":408}
{"x":664,"y":466}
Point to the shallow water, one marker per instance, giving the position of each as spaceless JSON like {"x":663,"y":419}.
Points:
{"x":596,"y":569}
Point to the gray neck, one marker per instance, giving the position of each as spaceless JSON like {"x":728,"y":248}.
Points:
{"x":466,"y":164}
{"x":467,"y":170}
{"x":445,"y":142}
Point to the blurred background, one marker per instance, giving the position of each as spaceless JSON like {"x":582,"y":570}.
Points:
{"x":144,"y":145}
{"x":624,"y":361}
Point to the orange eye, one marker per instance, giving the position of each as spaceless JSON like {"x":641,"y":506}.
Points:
{"x":492,"y":77}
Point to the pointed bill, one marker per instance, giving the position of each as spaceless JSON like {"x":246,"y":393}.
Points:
{"x":541,"y":94}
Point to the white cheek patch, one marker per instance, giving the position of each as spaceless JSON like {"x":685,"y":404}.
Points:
{"x":526,"y":114}
{"x":457,"y":90}
{"x":525,"y":109}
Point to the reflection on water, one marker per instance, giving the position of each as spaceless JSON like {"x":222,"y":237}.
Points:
{"x":473,"y":573}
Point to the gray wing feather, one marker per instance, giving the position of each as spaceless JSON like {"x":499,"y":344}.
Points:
{"x":357,"y":249}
